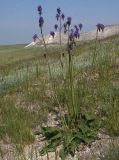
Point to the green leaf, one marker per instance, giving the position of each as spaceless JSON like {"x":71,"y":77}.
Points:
{"x":57,"y":136}
{"x":84,"y":128}
{"x":63,"y":154}
{"x":89,"y":116}
{"x":50,"y":132}
{"x":92,"y":133}
{"x":88,"y":140}
{"x":73,"y":148}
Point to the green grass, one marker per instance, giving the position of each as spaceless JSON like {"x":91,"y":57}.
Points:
{"x":15,"y":123}
{"x":27,"y":95}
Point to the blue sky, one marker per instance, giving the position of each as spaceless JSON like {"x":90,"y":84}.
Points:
{"x":19,"y":18}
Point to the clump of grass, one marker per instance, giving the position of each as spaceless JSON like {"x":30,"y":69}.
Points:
{"x":15,"y":123}
{"x":112,"y":114}
{"x":41,"y":101}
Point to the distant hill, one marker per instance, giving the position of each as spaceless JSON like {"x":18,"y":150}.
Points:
{"x":110,"y":30}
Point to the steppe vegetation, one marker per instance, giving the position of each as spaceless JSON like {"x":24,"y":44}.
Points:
{"x":83,"y":93}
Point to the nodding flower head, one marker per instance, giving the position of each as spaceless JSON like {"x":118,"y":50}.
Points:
{"x":41,"y":22}
{"x":59,"y":11}
{"x":57,"y":16}
{"x":69,"y":21}
{"x":40,"y":9}
{"x":80,"y":26}
{"x":65,"y":30}
{"x":35,"y":37}
{"x":72,"y":31}
{"x":56,"y":26}
{"x":100,"y":27}
{"x":62,"y":16}
{"x":65,"y":25}
{"x":52,"y":34}
{"x":75,"y":26}
{"x":76,"y":34}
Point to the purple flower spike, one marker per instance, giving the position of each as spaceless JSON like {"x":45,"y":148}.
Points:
{"x":80,"y":26}
{"x":52,"y":34}
{"x":56,"y":26}
{"x":62,"y":16}
{"x":40,"y":9}
{"x":57,"y":17}
{"x":59,"y":11}
{"x":100,"y":27}
{"x":69,"y":21}
{"x":35,"y":37}
{"x":41,"y":22}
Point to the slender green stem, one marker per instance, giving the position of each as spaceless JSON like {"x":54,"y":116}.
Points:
{"x":71,"y":76}
{"x":60,"y":40}
{"x":60,"y":31}
{"x":53,"y":86}
{"x":94,"y":55}
{"x":46,"y":53}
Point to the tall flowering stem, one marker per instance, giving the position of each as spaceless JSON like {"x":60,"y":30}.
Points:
{"x":69,"y":48}
{"x":100,"y":27}
{"x":60,"y":17}
{"x":60,"y":31}
{"x":73,"y":34}
{"x":41,"y":23}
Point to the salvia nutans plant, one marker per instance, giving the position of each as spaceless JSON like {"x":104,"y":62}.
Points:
{"x":76,"y":125}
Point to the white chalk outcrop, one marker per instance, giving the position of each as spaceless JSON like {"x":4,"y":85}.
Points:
{"x":110,"y":30}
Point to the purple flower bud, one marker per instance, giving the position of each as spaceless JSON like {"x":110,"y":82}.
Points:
{"x":100,"y":27}
{"x":62,"y":16}
{"x":56,"y":26}
{"x":65,"y":25}
{"x":52,"y":34}
{"x":40,"y":9}
{"x":75,"y":26}
{"x":77,"y":30}
{"x":59,"y":11}
{"x":72,"y":31}
{"x":57,"y":16}
{"x":80,"y":26}
{"x":41,"y":22}
{"x":35,"y":37}
{"x":65,"y":30}
{"x":69,"y":21}
{"x":76,"y":34}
